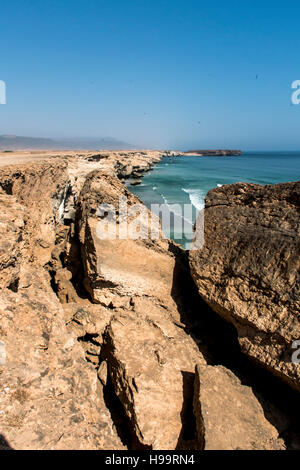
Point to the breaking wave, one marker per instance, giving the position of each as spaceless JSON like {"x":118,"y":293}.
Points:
{"x":197,"y":197}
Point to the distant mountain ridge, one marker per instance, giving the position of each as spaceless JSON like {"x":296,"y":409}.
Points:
{"x":14,"y":142}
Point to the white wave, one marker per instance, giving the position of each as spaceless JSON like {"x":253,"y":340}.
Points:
{"x":154,"y":188}
{"x":219,"y":185}
{"x":197,"y":197}
{"x":172,"y":208}
{"x":178,"y":214}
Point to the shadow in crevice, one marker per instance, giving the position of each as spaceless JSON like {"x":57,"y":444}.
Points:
{"x":14,"y":285}
{"x":217,"y":340}
{"x":122,"y":423}
{"x":4,"y":445}
{"x":7,"y":186}
{"x":67,"y":255}
{"x":188,"y":438}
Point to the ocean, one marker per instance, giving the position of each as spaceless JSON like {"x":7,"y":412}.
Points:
{"x":186,"y":181}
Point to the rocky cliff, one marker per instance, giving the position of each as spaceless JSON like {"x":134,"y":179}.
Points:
{"x":248,"y":269}
{"x":107,"y":343}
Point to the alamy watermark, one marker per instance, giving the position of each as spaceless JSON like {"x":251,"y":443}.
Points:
{"x":296,"y":354}
{"x":127,"y":221}
{"x":2,"y":92}
{"x":2,"y":354}
{"x":296,"y":93}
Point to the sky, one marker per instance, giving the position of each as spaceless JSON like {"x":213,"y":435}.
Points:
{"x":158,"y":74}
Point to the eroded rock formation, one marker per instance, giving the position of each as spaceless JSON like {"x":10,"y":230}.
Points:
{"x":229,"y":416}
{"x":248,"y":269}
{"x":148,"y":355}
{"x":101,"y":335}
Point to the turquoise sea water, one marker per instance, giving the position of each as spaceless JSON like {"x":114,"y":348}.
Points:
{"x":186,"y":180}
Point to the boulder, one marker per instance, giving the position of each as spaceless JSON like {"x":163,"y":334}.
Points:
{"x":248,"y":269}
{"x":150,"y":363}
{"x":124,"y":267}
{"x":135,"y":182}
{"x":228,"y":414}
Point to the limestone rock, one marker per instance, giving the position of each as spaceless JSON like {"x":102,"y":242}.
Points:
{"x":135,"y":182}
{"x":149,"y":358}
{"x":41,"y":190}
{"x":248,"y":269}
{"x":11,"y":241}
{"x":229,"y":416}
{"x":151,"y":367}
{"x":50,"y":397}
{"x":123,"y":267}
{"x":93,"y":328}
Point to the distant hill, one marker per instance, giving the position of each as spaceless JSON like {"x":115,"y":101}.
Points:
{"x":105,"y":143}
{"x":14,"y":142}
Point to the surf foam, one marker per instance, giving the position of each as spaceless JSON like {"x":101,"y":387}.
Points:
{"x":197,"y":197}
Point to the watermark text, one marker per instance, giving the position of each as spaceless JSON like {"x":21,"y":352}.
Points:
{"x":2,"y":92}
{"x":296,"y":93}
{"x":127,"y":221}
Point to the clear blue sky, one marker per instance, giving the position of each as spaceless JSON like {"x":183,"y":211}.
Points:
{"x":159,"y":73}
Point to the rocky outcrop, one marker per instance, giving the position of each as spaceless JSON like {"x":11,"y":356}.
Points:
{"x":152,"y":375}
{"x":102,"y":335}
{"x":41,"y":189}
{"x":138,"y":164}
{"x":248,"y":269}
{"x":229,"y":416}
{"x":135,"y":182}
{"x":50,"y":397}
{"x":115,"y":266}
{"x":214,"y":153}
{"x":11,"y":241}
{"x":67,"y":317}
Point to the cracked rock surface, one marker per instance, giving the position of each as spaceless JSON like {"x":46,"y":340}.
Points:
{"x":102,"y":337}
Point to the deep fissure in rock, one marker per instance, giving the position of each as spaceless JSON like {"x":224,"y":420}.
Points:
{"x":121,"y":421}
{"x":188,"y":438}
